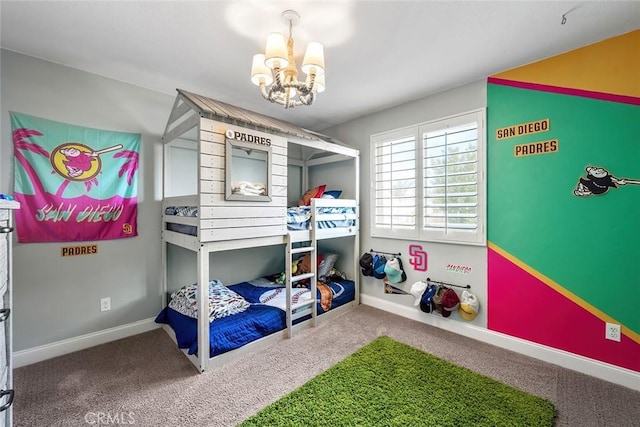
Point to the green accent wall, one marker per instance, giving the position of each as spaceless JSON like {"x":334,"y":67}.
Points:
{"x":588,"y":245}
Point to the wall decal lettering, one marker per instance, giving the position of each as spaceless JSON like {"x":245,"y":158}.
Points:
{"x":523,"y":129}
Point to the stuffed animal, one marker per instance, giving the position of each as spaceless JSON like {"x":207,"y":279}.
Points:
{"x":335,"y":274}
{"x":301,"y":266}
{"x":281,"y":279}
{"x":304,"y":264}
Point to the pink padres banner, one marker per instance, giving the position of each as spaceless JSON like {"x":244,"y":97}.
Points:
{"x":73,"y":183}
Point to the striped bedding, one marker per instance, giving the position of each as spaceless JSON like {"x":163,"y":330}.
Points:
{"x":298,"y":218}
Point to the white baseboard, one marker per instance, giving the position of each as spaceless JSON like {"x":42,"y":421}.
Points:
{"x":48,"y":351}
{"x":595,"y":368}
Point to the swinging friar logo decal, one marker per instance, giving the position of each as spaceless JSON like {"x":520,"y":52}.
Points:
{"x":78,"y":162}
{"x":598,"y":181}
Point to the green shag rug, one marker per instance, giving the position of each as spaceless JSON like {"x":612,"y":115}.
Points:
{"x":388,"y":383}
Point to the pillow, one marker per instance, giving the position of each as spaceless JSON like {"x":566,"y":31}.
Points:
{"x":313,"y":193}
{"x":326,"y":265}
{"x":332,"y":194}
{"x":222,"y":301}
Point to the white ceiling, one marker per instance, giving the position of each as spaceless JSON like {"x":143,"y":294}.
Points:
{"x":378,"y":53}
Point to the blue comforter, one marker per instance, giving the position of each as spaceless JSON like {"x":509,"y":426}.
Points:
{"x":259,"y":320}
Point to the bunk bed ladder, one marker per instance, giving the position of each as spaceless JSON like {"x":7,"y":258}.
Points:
{"x":300,"y":308}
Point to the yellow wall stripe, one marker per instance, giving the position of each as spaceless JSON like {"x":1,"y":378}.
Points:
{"x":564,"y":292}
{"x":610,"y":66}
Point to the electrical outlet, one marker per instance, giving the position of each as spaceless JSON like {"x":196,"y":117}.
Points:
{"x":612,"y":332}
{"x":105,"y":304}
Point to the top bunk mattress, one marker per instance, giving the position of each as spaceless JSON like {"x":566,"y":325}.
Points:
{"x":298,"y":218}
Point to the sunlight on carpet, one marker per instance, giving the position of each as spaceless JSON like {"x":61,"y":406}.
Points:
{"x":388,"y":383}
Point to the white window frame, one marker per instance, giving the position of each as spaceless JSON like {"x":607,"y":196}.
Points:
{"x":419,"y":232}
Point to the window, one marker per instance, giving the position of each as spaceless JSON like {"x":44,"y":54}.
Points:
{"x":428,"y":181}
{"x":248,"y":175}
{"x":394,"y":177}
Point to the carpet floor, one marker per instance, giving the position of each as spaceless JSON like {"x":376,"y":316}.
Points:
{"x":146,"y":381}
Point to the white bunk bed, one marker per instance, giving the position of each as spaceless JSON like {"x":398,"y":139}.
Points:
{"x":228,"y":221}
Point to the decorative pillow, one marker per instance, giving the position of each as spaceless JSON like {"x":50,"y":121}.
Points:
{"x":222,"y":301}
{"x":182,"y":211}
{"x":314,"y":193}
{"x":332,"y":194}
{"x":326,"y":265}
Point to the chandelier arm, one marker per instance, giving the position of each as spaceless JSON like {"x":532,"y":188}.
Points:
{"x":277,"y":97}
{"x":277,"y":80}
{"x":292,"y":102}
{"x":311,"y":80}
{"x":265,"y":94}
{"x":300,"y":87}
{"x":275,"y":100}
{"x":287,"y":97}
{"x":307,"y":99}
{"x":277,"y":89}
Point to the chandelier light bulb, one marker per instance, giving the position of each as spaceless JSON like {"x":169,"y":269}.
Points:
{"x":314,"y":59}
{"x":260,"y":73}
{"x":276,"y":51}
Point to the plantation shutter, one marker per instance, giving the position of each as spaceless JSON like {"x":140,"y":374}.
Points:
{"x":450,"y":177}
{"x":394,"y":180}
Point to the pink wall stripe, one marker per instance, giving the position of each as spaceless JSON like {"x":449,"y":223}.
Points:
{"x":525,"y":307}
{"x":622,"y":99}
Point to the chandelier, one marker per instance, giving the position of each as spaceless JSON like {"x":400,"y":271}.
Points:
{"x":276,"y":72}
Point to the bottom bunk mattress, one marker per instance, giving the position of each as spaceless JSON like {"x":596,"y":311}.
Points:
{"x":264,"y":315}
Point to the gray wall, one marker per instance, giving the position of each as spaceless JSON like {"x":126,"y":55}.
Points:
{"x":357,"y":133}
{"x":58,"y":298}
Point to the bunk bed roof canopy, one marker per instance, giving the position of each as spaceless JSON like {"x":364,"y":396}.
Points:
{"x":187,"y":102}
